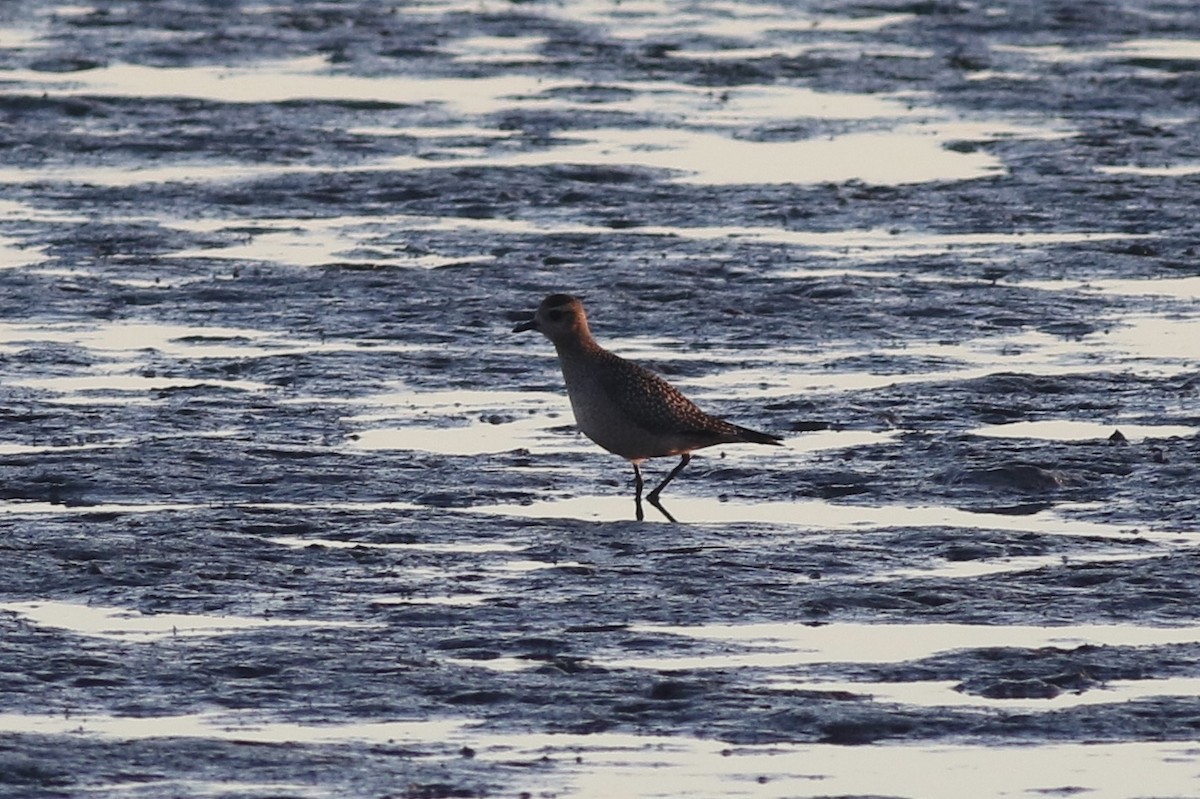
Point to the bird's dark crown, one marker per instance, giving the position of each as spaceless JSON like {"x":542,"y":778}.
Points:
{"x":555,"y":300}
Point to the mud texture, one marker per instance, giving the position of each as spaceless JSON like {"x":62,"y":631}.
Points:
{"x":260,"y":484}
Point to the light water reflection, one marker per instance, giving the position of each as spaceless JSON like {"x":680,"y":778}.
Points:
{"x":224,"y":726}
{"x":13,"y":448}
{"x":447,"y":600}
{"x":309,"y":242}
{"x":38,"y":508}
{"x":918,"y":154}
{"x":128,"y":338}
{"x":815,"y":514}
{"x":783,"y":645}
{"x":913,"y":149}
{"x":934,"y":694}
{"x":455,"y":548}
{"x":650,"y":20}
{"x":1160,"y":340}
{"x":964,"y":570}
{"x":475,"y":438}
{"x":1164,"y":50}
{"x":776,"y":647}
{"x":1180,"y":288}
{"x":1171,"y":171}
{"x":113,"y":386}
{"x":131,"y":625}
{"x":604,"y":765}
{"x":303,"y":78}
{"x":21,"y":507}
{"x":14,"y":254}
{"x":904,"y":154}
{"x":498,"y":50}
{"x":937,"y":771}
{"x":482,"y":436}
{"x":1149,"y":345}
{"x":1064,"y":430}
{"x":853,"y":244}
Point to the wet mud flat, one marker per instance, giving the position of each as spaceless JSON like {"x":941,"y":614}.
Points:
{"x":285,"y":510}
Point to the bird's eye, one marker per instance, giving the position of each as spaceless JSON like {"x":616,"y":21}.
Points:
{"x":555,"y":315}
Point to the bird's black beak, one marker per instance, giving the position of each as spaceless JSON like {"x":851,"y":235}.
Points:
{"x":530,"y":325}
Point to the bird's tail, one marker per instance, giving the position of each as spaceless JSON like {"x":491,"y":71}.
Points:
{"x":755,"y":437}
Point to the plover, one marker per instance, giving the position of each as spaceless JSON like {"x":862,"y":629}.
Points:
{"x":625,"y":408}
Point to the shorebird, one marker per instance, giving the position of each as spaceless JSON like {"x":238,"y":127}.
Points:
{"x":625,"y":408}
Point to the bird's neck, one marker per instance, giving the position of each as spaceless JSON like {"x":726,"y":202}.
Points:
{"x":580,"y":344}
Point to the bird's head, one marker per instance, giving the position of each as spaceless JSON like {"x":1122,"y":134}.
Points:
{"x":560,"y":317}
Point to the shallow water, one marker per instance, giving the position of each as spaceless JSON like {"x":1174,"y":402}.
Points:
{"x":126,"y":624}
{"x":287,"y":509}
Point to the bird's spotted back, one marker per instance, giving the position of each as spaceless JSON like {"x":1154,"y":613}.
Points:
{"x":651,"y":402}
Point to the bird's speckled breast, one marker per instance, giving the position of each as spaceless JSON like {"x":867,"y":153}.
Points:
{"x":598,"y":418}
{"x":642,"y":423}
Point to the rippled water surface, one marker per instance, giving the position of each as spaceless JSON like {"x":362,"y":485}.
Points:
{"x":287,"y":510}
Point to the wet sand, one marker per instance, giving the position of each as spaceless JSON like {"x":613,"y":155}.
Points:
{"x":286,"y":510}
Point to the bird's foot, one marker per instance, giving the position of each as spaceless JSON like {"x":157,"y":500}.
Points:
{"x":652,"y":498}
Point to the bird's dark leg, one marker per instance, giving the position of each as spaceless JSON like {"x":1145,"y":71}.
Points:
{"x":653,"y":495}
{"x":637,"y":496}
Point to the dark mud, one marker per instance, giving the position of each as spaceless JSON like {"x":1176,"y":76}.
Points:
{"x":418,"y":602}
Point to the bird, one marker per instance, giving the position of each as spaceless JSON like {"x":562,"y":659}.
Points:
{"x":625,"y":408}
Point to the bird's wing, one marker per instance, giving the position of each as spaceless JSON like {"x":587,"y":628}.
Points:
{"x":653,"y":403}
